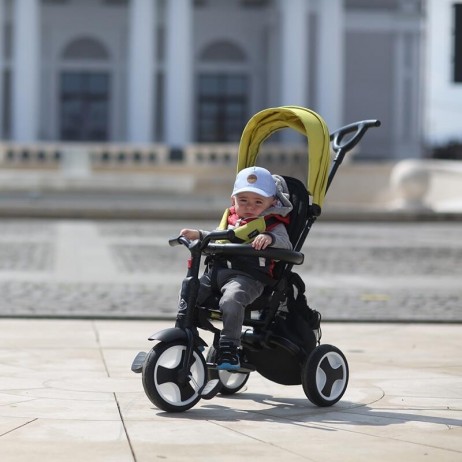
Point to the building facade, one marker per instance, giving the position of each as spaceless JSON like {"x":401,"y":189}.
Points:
{"x":187,"y":71}
{"x":443,"y":96}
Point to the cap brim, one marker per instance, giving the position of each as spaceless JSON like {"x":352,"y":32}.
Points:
{"x":254,"y":190}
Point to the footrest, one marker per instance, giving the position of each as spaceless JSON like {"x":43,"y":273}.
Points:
{"x":245,"y":368}
{"x":137,"y":365}
{"x":211,"y":389}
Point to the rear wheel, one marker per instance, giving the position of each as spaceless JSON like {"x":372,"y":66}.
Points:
{"x":325,"y":375}
{"x":162,"y":380}
{"x":231,"y":382}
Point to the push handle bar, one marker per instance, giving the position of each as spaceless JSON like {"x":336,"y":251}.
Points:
{"x":358,"y":128}
{"x":341,"y":146}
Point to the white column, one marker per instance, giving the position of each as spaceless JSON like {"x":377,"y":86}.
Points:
{"x":2,"y":63}
{"x":141,"y":77}
{"x":179,"y":73}
{"x":330,"y":68}
{"x":25,"y":84}
{"x":294,"y":52}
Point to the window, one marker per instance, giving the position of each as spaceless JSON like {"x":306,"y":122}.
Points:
{"x":84,"y":106}
{"x":222,"y":107}
{"x":85,"y":48}
{"x":84,"y":95}
{"x":458,"y":42}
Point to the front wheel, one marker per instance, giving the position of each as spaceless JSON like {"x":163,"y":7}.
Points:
{"x":231,"y":382}
{"x":325,"y":375}
{"x":162,"y":380}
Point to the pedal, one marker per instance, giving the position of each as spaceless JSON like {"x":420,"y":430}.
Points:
{"x":211,"y":389}
{"x":137,"y":365}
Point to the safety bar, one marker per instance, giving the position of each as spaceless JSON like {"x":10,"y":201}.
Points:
{"x":243,"y":250}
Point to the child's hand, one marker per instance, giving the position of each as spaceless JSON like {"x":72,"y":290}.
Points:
{"x":191,"y":234}
{"x":262,"y":241}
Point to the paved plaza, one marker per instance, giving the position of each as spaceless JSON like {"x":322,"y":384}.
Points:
{"x":67,"y":394}
{"x":125,"y":269}
{"x":81,"y":297}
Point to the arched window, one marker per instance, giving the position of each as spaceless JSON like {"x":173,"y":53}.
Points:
{"x":222,"y":50}
{"x":85,"y":48}
{"x":223,"y":92}
{"x":84,"y":91}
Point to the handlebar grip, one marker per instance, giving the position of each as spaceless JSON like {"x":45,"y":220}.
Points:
{"x":226,"y":234}
{"x":212,"y":236}
{"x":178,"y":241}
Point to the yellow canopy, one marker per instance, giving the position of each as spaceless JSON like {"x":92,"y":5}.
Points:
{"x":305,"y":121}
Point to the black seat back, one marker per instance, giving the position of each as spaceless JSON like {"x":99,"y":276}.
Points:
{"x":299,"y":219}
{"x":300,"y":200}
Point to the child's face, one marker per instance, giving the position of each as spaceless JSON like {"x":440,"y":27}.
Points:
{"x":249,"y":204}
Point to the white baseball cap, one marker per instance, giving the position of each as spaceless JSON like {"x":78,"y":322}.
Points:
{"x":255,"y":179}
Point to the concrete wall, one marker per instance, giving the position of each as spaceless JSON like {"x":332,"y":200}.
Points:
{"x":208,"y":171}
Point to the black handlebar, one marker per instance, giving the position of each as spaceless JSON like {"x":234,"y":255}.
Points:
{"x":358,"y":128}
{"x":227,"y":235}
{"x":205,"y":246}
{"x":178,"y":241}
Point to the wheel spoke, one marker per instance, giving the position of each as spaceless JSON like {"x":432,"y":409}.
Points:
{"x":166,"y":375}
{"x":168,"y":379}
{"x":325,"y":375}
{"x":331,"y":375}
{"x":169,"y":386}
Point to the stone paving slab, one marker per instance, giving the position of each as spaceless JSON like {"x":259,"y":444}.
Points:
{"x":67,"y":393}
{"x":125,"y":269}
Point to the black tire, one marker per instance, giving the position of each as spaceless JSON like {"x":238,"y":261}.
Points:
{"x":161,"y":381}
{"x":325,"y":375}
{"x":231,"y":382}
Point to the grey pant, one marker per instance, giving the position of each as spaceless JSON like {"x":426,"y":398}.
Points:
{"x":238,"y":290}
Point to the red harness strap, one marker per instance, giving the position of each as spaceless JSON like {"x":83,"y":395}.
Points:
{"x":271,"y":220}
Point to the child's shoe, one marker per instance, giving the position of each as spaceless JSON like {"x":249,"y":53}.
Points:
{"x":227,"y":357}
